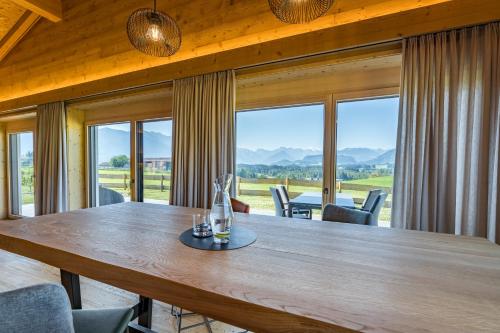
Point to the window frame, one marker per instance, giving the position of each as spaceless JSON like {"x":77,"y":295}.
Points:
{"x":329,"y":124}
{"x":19,"y":127}
{"x":134,"y":122}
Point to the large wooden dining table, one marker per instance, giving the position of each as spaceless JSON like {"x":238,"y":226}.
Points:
{"x":299,"y":276}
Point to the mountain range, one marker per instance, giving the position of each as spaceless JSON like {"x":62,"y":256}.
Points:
{"x":303,"y":157}
{"x":115,"y":142}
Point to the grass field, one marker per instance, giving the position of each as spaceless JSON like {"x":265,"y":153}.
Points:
{"x":123,"y":184}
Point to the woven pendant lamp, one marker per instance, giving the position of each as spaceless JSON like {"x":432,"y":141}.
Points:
{"x":153,"y":32}
{"x":299,"y":11}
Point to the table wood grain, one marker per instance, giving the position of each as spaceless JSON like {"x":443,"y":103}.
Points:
{"x":299,"y":276}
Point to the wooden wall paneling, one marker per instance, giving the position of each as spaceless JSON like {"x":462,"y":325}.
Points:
{"x":285,"y":91}
{"x":105,"y":61}
{"x":151,"y":104}
{"x":27,"y":124}
{"x":4,"y":201}
{"x":75,"y":123}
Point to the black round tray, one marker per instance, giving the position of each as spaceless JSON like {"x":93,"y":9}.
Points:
{"x":240,"y":237}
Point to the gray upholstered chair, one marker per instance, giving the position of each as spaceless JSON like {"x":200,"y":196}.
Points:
{"x":281,"y":206}
{"x":108,"y":196}
{"x":368,"y":213}
{"x":45,"y":308}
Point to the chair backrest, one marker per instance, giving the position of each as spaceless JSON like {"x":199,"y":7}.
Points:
{"x":240,"y":206}
{"x":379,"y":203}
{"x":42,"y":308}
{"x":371,"y":200}
{"x":284,"y":194}
{"x":341,"y":214}
{"x":108,"y":196}
{"x":278,"y":202}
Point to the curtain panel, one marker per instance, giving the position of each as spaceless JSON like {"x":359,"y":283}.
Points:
{"x":447,"y":176}
{"x":203,"y":136}
{"x":51,"y":188}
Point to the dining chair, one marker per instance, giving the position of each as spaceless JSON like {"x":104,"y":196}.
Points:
{"x":368,"y":214}
{"x":45,"y":308}
{"x":281,"y":206}
{"x":239,"y":206}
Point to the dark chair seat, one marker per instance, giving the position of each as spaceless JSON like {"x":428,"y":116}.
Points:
{"x":336,"y":213}
{"x":368,"y":214}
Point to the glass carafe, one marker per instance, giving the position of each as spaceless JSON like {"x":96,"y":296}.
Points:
{"x":221,"y":214}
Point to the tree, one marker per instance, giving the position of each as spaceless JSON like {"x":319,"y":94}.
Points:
{"x":119,"y":161}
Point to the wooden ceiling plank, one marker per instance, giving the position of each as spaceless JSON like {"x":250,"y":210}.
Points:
{"x":17,"y":32}
{"x":50,"y":9}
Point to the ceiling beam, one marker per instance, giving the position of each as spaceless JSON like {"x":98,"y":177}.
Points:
{"x":50,"y":9}
{"x":16,"y":33}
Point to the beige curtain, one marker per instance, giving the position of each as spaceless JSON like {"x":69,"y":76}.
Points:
{"x":447,"y":176}
{"x":51,"y":159}
{"x":203,"y":136}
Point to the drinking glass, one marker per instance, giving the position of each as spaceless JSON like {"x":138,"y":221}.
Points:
{"x":201,"y":227}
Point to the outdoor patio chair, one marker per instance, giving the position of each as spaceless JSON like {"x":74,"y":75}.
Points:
{"x":108,"y":196}
{"x":368,"y":213}
{"x":281,"y":206}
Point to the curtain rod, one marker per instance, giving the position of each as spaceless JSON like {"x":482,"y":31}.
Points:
{"x":317,"y":55}
{"x":111,"y":92}
{"x":30,"y":108}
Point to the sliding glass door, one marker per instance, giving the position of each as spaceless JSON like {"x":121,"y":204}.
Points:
{"x":154,"y":161}
{"x":109,"y":164}
{"x":129,"y":161}
{"x":21,"y":174}
{"x":366,"y":146}
{"x":282,"y":145}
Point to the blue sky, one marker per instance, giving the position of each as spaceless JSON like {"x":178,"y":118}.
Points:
{"x":365,"y":123}
{"x":298,"y":127}
{"x":26,"y":143}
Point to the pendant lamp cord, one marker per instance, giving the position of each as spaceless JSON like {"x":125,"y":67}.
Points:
{"x":154,"y":5}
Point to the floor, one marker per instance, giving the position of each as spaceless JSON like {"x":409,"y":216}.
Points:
{"x":18,"y":272}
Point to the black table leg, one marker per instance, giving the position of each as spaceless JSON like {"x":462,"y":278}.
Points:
{"x":143,"y":311}
{"x":146,"y":314}
{"x":71,"y":282}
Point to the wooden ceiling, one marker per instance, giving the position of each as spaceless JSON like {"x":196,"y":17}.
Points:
{"x":17,"y":17}
{"x":10,"y":13}
{"x":88,"y":51}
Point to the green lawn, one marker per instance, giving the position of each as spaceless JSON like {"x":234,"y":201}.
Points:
{"x":385,"y":181}
{"x":123,"y":186}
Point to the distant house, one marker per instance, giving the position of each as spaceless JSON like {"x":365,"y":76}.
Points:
{"x":158,"y":163}
{"x":382,"y":166}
